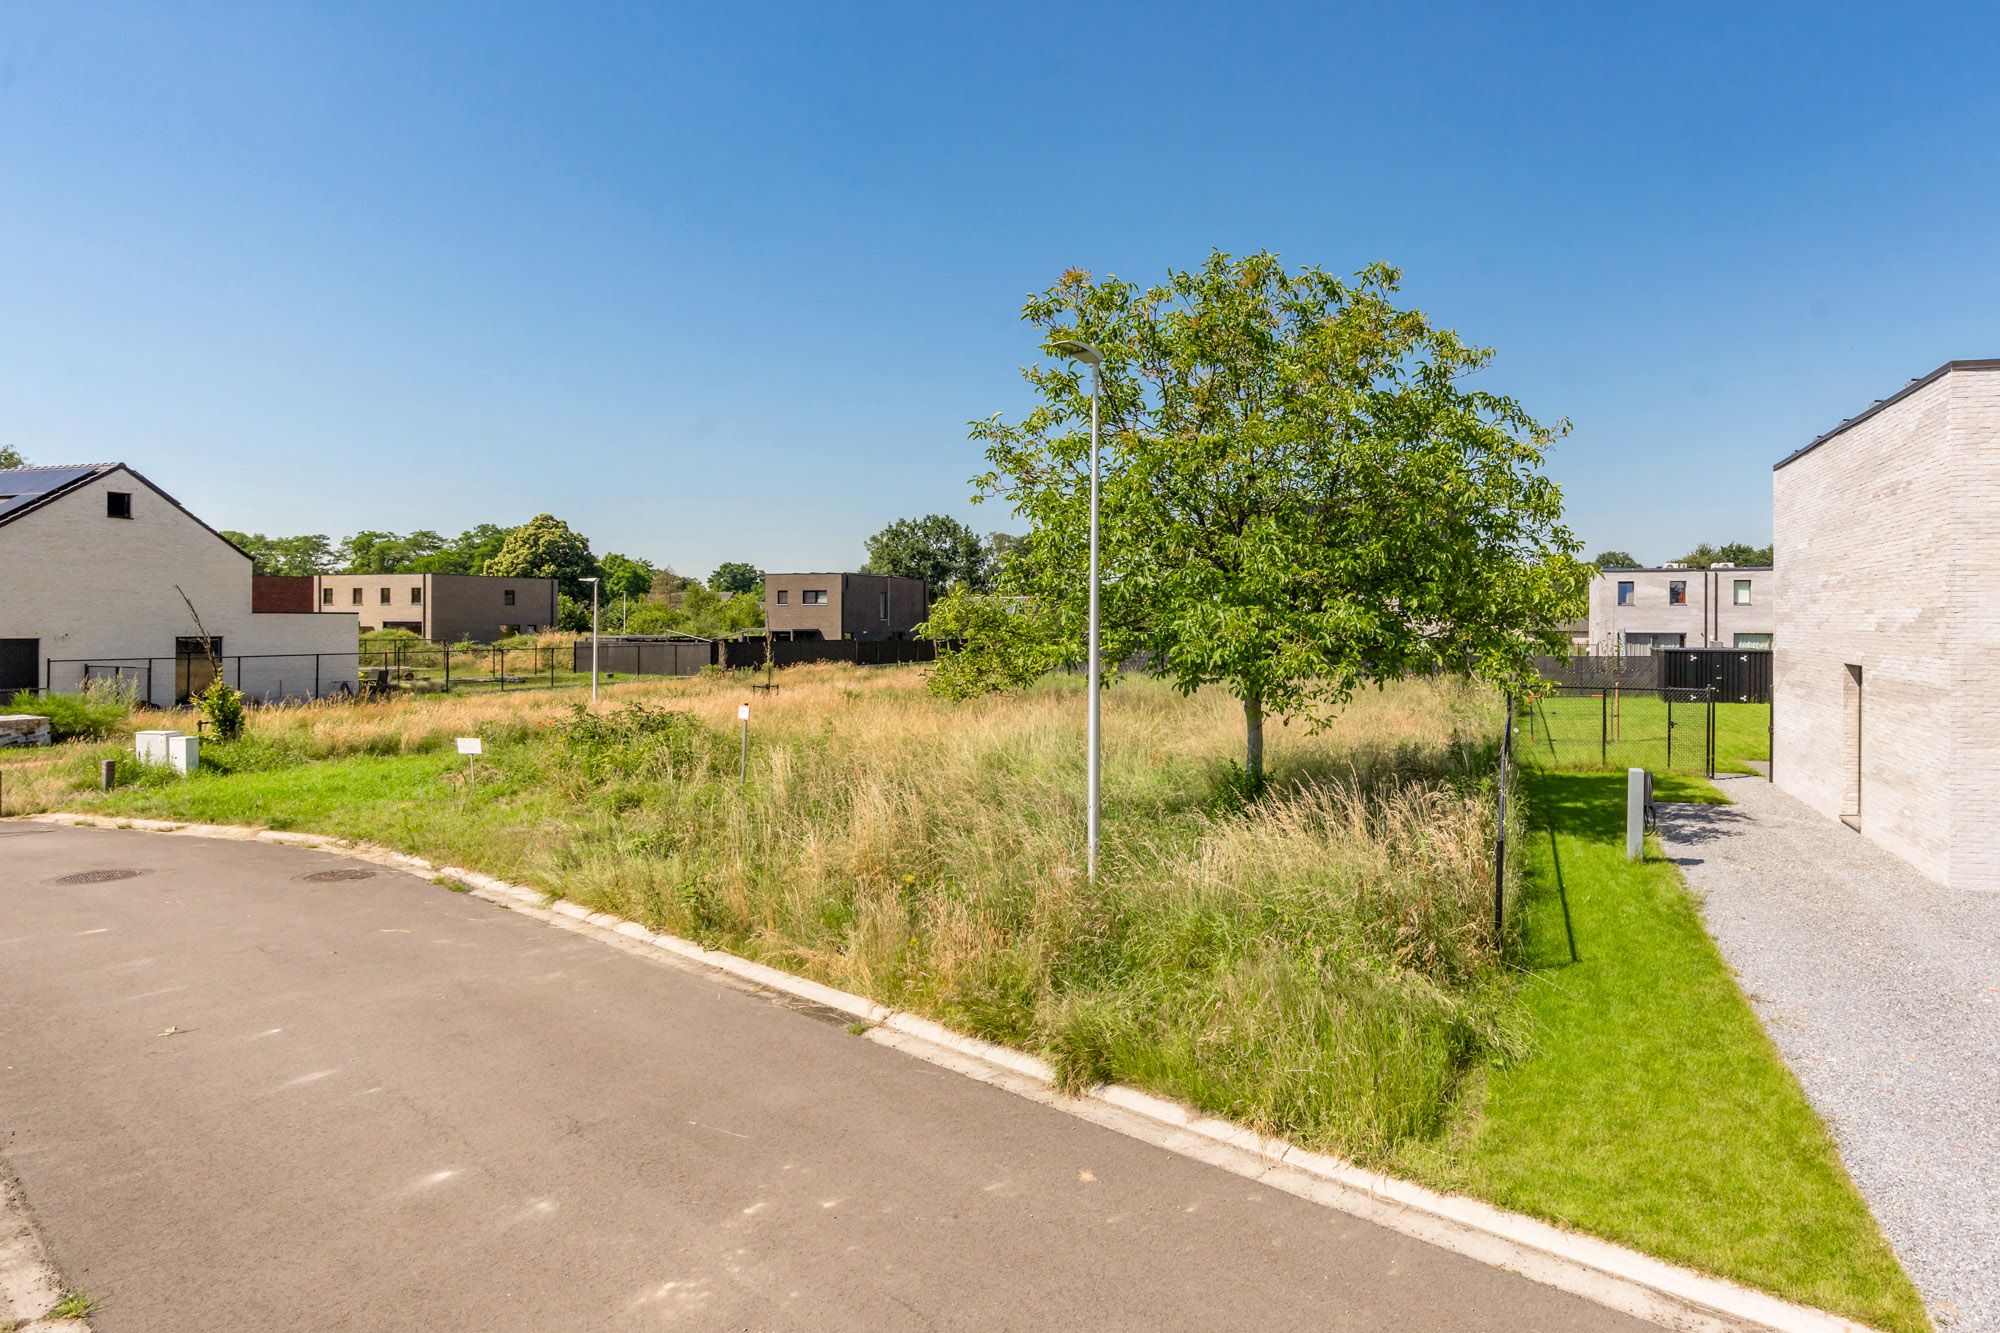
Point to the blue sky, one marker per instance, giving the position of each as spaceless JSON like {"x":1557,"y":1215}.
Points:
{"x":726,"y":281}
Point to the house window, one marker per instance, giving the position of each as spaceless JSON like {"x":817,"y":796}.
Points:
{"x":506,"y":596}
{"x":355,"y":597}
{"x":783,"y":596}
{"x":118,"y":504}
{"x":385,"y":596}
{"x":1624,"y":592}
{"x":885,"y":606}
{"x":326,"y":597}
{"x":1743,"y":592}
{"x":813,"y":597}
{"x":1753,"y":641}
{"x":1677,"y":593}
{"x":416,"y":596}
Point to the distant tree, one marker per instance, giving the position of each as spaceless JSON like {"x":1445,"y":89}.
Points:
{"x":373,"y":552}
{"x":1616,"y":560}
{"x":936,"y":548}
{"x":626,"y":577}
{"x":1734,"y":553}
{"x":545,"y":547}
{"x":310,"y":554}
{"x":11,"y":457}
{"x":467,"y":553}
{"x":668,"y":586}
{"x":735,"y":576}
{"x":1302,"y":495}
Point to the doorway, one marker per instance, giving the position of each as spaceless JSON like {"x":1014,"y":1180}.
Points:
{"x":20,"y":665}
{"x":194,"y":668}
{"x":1850,"y":808}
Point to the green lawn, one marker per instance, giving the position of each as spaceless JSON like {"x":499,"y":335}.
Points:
{"x":1654,"y":1110}
{"x":1618,"y":730}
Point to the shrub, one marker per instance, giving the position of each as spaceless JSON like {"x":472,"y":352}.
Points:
{"x":92,"y":715}
{"x":223,"y":707}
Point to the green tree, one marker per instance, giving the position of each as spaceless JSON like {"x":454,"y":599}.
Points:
{"x":1301,"y":494}
{"x":936,"y":548}
{"x":1616,"y":560}
{"x":1735,"y":553}
{"x":545,"y":547}
{"x":310,"y":554}
{"x":10,"y":457}
{"x":735,"y":576}
{"x":626,"y":577}
{"x":467,"y":553}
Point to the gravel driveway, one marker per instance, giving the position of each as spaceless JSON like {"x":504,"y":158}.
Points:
{"x":1882,"y":991}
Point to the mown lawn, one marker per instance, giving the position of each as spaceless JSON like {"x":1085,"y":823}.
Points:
{"x":1619,"y":731}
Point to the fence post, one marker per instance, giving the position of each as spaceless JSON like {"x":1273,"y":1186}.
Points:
{"x":1711,"y":731}
{"x":1670,"y":729}
{"x":447,"y":668}
{"x":315,"y":675}
{"x":1500,"y":832}
{"x":1604,"y":728}
{"x":503,"y":667}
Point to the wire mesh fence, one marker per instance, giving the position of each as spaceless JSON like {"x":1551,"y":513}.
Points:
{"x":1665,"y":730}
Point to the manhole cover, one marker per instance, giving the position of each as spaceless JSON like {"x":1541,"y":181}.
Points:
{"x":336,"y":876}
{"x":97,"y":876}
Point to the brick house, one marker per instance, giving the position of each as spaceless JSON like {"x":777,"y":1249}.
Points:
{"x":98,"y":567}
{"x":444,"y":608}
{"x":844,"y":606}
{"x":1634,"y":612}
{"x":1887,"y":659}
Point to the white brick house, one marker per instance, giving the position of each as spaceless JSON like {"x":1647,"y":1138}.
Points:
{"x":1639,"y":611}
{"x":93,"y":564}
{"x":1887,"y":658}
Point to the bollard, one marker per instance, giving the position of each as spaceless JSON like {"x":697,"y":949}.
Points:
{"x":1635,"y":813}
{"x":107,"y":774}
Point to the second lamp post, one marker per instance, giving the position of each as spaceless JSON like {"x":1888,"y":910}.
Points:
{"x":1090,"y":356}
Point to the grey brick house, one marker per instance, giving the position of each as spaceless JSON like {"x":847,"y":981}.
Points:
{"x":844,"y":606}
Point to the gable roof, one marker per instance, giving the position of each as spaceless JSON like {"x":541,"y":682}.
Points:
{"x":26,"y":489}
{"x":1890,"y":401}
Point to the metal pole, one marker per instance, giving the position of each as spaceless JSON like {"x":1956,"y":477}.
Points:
{"x":1096,"y":752}
{"x":1500,"y":836}
{"x":593,"y":640}
{"x":1603,"y":728}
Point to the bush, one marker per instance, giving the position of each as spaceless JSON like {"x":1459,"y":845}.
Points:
{"x":223,"y":707}
{"x":99,"y":711}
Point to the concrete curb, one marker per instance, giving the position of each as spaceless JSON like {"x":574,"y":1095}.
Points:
{"x":29,"y":1283}
{"x":1597,"y":1270}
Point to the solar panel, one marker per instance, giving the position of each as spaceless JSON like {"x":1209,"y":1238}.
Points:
{"x":22,"y":486}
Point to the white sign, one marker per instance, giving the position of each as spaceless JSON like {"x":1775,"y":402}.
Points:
{"x":471,"y":745}
{"x":743,"y":712}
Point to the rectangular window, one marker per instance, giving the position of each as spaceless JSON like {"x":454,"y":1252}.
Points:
{"x":885,"y":606}
{"x":118,"y":504}
{"x":1677,"y":593}
{"x":355,"y":598}
{"x":783,"y":596}
{"x":385,"y":596}
{"x":326,"y":597}
{"x":1624,"y":592}
{"x":813,"y":597}
{"x":416,"y":596}
{"x":507,"y":596}
{"x":1743,"y":592}
{"x":1753,"y":641}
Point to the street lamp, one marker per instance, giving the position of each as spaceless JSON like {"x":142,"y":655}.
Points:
{"x":1090,"y":356}
{"x":593,"y":638}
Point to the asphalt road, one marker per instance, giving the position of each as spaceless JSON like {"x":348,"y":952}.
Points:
{"x":387,"y":1105}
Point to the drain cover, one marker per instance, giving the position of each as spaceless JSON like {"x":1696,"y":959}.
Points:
{"x":97,"y":876}
{"x":336,"y":876}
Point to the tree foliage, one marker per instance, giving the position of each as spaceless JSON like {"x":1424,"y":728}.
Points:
{"x":1300,"y":495}
{"x":1705,"y":556}
{"x":732,"y":576}
{"x":309,"y":554}
{"x":626,"y":577}
{"x":936,"y":548}
{"x":10,"y":457}
{"x":545,"y":547}
{"x":1616,"y":560}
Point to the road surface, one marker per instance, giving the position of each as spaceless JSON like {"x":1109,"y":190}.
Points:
{"x":239,"y":1098}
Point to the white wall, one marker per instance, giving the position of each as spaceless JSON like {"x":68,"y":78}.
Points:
{"x":102,"y":590}
{"x":1889,"y":536}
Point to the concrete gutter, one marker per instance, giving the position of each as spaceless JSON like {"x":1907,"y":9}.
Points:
{"x":1611,"y":1275}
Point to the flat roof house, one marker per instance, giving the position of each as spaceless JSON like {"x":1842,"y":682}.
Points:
{"x":444,"y":608}
{"x":1637,"y":611}
{"x":845,"y":606}
{"x":1887,"y":661}
{"x":95,"y":562}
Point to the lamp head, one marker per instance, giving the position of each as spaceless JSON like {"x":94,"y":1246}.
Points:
{"x":1081,"y":351}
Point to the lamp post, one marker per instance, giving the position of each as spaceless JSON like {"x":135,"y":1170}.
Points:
{"x":593,"y":638}
{"x":1090,"y":356}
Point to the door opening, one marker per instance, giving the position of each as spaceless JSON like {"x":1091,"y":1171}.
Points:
{"x":1850,"y":810}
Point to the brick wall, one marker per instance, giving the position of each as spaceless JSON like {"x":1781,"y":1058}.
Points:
{"x":1887,"y":538}
{"x":1710,"y":618}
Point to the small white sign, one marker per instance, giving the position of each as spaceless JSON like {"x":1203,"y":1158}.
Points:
{"x":743,"y":712}
{"x":471,"y":745}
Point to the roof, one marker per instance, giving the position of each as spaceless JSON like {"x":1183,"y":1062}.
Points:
{"x":26,"y":489}
{"x":1684,"y":569}
{"x":1921,"y":381}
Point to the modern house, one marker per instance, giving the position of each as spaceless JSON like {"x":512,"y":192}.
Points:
{"x":1637,"y":611}
{"x":844,"y":606}
{"x":103,"y":574}
{"x":444,"y":608}
{"x":1887,"y":662}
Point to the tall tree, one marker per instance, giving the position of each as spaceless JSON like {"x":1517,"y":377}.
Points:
{"x":1616,"y":560}
{"x":1301,"y":494}
{"x":626,"y":577}
{"x":545,"y":547}
{"x":10,"y":457}
{"x":734,"y":576}
{"x":1735,"y":553}
{"x":310,"y":554}
{"x":936,"y":548}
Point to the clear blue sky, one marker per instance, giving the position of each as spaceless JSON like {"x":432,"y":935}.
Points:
{"x":726,"y":281}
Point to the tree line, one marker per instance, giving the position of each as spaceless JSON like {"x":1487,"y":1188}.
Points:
{"x":1703,"y":556}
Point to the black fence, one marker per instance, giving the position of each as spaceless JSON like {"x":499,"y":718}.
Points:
{"x":162,"y":682}
{"x":645,"y":657}
{"x":1665,"y":730}
{"x":436,"y":669}
{"x":1737,"y":675}
{"x":795,"y":652}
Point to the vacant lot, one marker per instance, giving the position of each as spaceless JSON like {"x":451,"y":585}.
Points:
{"x":1320,"y":964}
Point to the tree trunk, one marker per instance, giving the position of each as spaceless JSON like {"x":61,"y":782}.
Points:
{"x":1253,"y":741}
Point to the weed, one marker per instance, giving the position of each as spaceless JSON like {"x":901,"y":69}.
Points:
{"x":74,"y":1305}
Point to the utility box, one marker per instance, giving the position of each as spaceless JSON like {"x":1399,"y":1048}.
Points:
{"x":150,"y":747}
{"x":172,"y":749}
